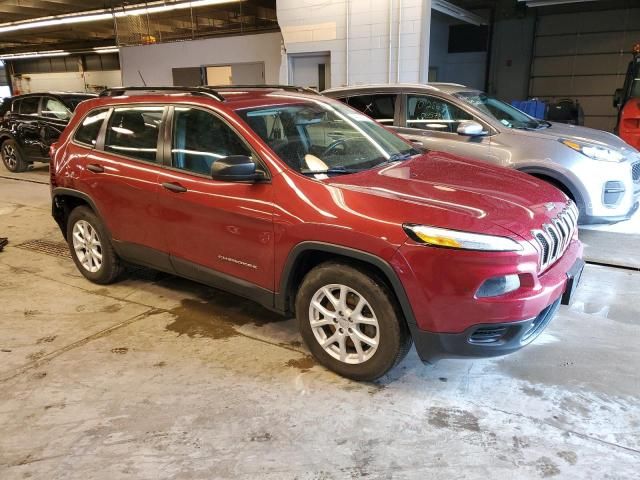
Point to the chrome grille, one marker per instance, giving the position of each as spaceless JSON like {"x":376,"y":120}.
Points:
{"x":635,"y":171}
{"x":554,"y":237}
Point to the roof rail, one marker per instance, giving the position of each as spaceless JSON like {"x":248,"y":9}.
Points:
{"x":206,"y":91}
{"x":291,"y":88}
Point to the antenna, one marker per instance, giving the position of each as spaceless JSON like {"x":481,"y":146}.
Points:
{"x":142,"y":78}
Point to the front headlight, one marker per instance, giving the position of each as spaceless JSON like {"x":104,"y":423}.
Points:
{"x":442,"y":237}
{"x":594,"y":152}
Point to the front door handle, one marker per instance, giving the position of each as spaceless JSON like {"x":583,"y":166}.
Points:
{"x":417,"y":142}
{"x":174,"y":187}
{"x":92,"y":167}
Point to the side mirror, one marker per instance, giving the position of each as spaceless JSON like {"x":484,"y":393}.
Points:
{"x":235,"y":168}
{"x":617,"y":98}
{"x":470,"y":128}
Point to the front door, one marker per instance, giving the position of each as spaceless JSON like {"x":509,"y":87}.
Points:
{"x":432,"y":122}
{"x":54,"y":116}
{"x":218,"y":232}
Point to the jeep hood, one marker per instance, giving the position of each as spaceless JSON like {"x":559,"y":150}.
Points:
{"x":448,"y":191}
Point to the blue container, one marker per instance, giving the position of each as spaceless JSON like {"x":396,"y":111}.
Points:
{"x":535,"y":108}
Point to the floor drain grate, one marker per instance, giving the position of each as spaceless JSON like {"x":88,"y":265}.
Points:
{"x":56,"y":249}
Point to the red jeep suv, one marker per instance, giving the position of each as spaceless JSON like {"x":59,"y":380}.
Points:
{"x":309,"y":207}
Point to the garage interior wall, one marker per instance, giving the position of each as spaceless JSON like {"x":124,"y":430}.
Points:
{"x":368,"y":41}
{"x":584,"y":55}
{"x":468,"y":68}
{"x":155,"y":62}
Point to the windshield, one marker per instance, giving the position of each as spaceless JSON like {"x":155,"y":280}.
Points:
{"x":503,"y":112}
{"x":317,"y":137}
{"x":72,"y":101}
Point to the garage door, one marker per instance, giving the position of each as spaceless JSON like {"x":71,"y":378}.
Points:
{"x":584,"y":56}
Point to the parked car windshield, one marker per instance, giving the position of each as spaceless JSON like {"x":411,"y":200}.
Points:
{"x":316,"y":137}
{"x":503,"y":112}
{"x":73,"y":100}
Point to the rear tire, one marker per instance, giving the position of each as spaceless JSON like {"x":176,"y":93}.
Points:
{"x":91,"y":248}
{"x":12,"y":156}
{"x":350,"y":321}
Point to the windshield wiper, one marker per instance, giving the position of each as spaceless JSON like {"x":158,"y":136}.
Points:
{"x":396,"y":157}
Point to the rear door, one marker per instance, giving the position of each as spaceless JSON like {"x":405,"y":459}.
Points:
{"x":432,"y":122}
{"x":121,"y":176}
{"x":216,"y":230}
{"x":26,"y":125}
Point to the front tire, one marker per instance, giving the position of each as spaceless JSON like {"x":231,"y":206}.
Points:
{"x":91,"y":248}
{"x":350,"y":321}
{"x":12,"y":157}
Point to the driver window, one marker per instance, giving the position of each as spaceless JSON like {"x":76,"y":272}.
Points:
{"x":54,"y":108}
{"x":431,"y":113}
{"x":200,"y":138}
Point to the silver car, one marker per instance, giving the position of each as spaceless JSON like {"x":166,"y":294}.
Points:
{"x":596,"y":169}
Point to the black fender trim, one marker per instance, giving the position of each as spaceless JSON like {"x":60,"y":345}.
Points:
{"x":282,"y":302}
{"x":56,"y":206}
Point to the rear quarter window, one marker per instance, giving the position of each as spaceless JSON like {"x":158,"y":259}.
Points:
{"x":87,"y":132}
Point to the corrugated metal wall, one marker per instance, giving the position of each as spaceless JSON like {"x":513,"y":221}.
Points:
{"x":584,"y":55}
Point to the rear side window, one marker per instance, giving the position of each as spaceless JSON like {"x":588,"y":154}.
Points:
{"x":29,"y":106}
{"x":133,"y":131}
{"x":381,"y":107}
{"x":87,"y":132}
{"x":200,"y":138}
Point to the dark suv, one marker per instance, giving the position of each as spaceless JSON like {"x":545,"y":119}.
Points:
{"x":29,"y":124}
{"x":309,"y":207}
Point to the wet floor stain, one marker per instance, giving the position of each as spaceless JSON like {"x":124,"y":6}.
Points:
{"x":113,"y":308}
{"x":546,"y":467}
{"x":453,"y":418}
{"x":304,"y":364}
{"x":217,"y":315}
{"x":260,"y":437}
{"x":36,"y":355}
{"x":120,"y":350}
{"x":47,"y":339}
{"x":160,"y":364}
{"x":568,"y":456}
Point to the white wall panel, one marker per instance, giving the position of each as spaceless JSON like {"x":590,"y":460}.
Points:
{"x":154,"y":62}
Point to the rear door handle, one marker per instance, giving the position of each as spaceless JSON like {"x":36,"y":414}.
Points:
{"x":174,"y":187}
{"x":92,"y":167}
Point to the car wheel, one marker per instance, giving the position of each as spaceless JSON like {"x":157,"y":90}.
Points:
{"x":350,"y":321}
{"x":12,"y":157}
{"x":91,"y":248}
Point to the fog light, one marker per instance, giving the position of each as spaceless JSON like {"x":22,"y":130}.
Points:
{"x":498,"y":286}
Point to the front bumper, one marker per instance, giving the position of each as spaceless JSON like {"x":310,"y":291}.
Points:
{"x":450,"y":321}
{"x":483,"y":340}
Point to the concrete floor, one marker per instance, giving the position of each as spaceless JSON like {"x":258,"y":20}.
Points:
{"x":158,"y":377}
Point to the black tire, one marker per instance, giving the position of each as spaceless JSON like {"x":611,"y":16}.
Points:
{"x":110,"y":267}
{"x":394,"y":339}
{"x":12,"y":156}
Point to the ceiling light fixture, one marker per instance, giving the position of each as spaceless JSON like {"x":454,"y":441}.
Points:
{"x":48,"y":53}
{"x":106,"y":14}
{"x":454,"y":11}
{"x":547,"y":3}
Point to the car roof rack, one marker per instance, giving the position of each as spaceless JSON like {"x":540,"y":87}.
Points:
{"x":289,"y":88}
{"x":205,"y":91}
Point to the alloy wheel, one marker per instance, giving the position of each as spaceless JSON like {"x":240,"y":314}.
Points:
{"x":87,"y":246}
{"x":10,"y":156}
{"x":344,"y":324}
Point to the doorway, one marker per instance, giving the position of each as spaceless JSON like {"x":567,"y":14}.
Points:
{"x":312,"y":70}
{"x":235,"y":74}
